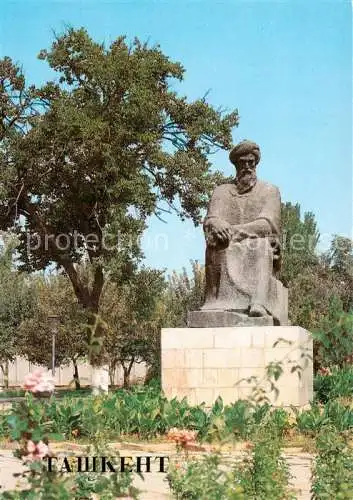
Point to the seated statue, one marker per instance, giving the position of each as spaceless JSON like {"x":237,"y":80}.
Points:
{"x":243,"y":253}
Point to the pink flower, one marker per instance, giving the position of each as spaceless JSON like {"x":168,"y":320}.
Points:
{"x":31,"y":447}
{"x":324,"y":371}
{"x":36,"y":451}
{"x":181,"y":465}
{"x":42,"y":449}
{"x":38,"y":382}
{"x":181,"y":437}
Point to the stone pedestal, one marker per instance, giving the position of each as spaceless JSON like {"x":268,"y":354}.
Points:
{"x":204,"y":363}
{"x":219,"y":318}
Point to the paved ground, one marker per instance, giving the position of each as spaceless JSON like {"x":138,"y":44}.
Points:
{"x":300,"y":468}
{"x":154,"y":487}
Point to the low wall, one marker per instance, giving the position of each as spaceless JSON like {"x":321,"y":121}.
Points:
{"x":64,"y":374}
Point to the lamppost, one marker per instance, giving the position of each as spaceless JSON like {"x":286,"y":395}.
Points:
{"x":54,"y":321}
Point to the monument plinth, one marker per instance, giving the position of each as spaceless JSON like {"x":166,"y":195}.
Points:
{"x":204,"y":363}
{"x":217,"y":318}
{"x":232,"y":337}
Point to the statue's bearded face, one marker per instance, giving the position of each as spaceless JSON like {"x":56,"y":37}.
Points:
{"x":246,"y":172}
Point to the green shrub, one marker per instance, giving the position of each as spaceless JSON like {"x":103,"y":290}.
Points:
{"x":4,"y":428}
{"x":144,"y":412}
{"x":338,"y":383}
{"x":333,"y":467}
{"x":333,"y":338}
{"x":204,"y":479}
{"x":265,"y":474}
{"x":333,"y":413}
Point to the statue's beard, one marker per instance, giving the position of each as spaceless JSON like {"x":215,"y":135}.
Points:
{"x":245,"y":181}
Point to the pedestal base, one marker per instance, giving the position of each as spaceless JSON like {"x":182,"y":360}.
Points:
{"x":213,"y":318}
{"x":204,"y":363}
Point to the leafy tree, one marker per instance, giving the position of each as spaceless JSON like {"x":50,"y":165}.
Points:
{"x":320,"y":300}
{"x":85,"y":160}
{"x":16,"y":303}
{"x":183,"y":294}
{"x":133,"y":321}
{"x":334,"y":336}
{"x":340,"y":261}
{"x":299,"y":242}
{"x":310,"y":294}
{"x":19,"y":104}
{"x":55,"y":297}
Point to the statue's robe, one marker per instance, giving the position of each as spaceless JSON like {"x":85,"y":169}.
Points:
{"x":244,"y":272}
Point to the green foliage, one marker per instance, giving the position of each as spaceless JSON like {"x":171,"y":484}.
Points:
{"x":95,"y":153}
{"x":28,"y":424}
{"x":334,"y":413}
{"x":183,"y":294}
{"x":144,"y":412}
{"x":29,"y":417}
{"x":4,"y":427}
{"x":337,"y":384}
{"x":133,"y":319}
{"x":333,"y":467}
{"x":310,"y":294}
{"x":334,"y":336}
{"x":320,"y":287}
{"x":265,"y":473}
{"x":93,"y":485}
{"x":299,"y":241}
{"x":42,"y":487}
{"x":16,"y":302}
{"x":53,"y":295}
{"x":66,"y":416}
{"x":205,"y":480}
{"x":116,"y":485}
{"x":340,"y":260}
{"x":17,"y":102}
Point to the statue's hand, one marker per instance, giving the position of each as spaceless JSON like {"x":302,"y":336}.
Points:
{"x":218,"y":231}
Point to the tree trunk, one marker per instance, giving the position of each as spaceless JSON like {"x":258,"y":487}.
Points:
{"x":5,"y":372}
{"x":100,"y":379}
{"x":6,"y":375}
{"x":76,"y":375}
{"x":89,"y":298}
{"x":112,"y":371}
{"x":127,"y":371}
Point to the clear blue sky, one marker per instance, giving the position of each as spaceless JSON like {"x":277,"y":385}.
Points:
{"x":286,"y":65}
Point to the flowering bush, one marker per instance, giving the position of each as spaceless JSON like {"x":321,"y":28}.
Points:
{"x":181,"y":437}
{"x":39,"y":382}
{"x":37,"y":451}
{"x":30,"y":429}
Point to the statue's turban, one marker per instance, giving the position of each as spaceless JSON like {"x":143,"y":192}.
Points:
{"x":244,"y":148}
